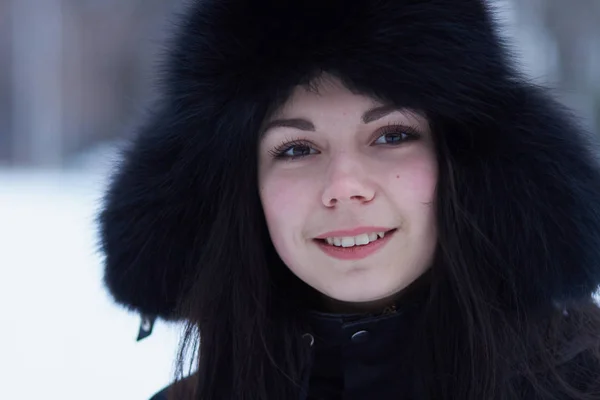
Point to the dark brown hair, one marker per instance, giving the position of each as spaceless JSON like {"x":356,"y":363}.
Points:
{"x":474,"y":340}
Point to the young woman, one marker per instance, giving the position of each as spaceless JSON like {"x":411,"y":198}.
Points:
{"x":359,"y":200}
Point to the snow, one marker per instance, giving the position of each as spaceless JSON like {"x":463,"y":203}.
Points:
{"x":62,"y":336}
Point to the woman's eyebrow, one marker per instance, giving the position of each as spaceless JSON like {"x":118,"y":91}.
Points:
{"x":379,"y":112}
{"x":302,"y":124}
{"x":298,"y":123}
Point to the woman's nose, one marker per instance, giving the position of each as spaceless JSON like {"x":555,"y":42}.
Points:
{"x":347,"y":182}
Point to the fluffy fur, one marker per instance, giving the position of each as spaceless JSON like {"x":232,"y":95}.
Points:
{"x":529,"y":187}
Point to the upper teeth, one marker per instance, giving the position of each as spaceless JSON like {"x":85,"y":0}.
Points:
{"x":349,"y":241}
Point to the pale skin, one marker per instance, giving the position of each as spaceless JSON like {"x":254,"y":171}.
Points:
{"x":335,"y":160}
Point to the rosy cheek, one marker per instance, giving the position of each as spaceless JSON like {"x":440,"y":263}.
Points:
{"x":415,"y":178}
{"x":284,"y":200}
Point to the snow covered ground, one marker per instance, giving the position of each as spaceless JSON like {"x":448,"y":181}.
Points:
{"x":61,"y":335}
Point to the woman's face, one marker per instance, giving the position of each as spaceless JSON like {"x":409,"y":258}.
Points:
{"x":347,"y":186}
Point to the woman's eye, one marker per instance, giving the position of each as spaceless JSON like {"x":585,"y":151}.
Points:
{"x":298,"y":151}
{"x":393,"y":138}
{"x":293,"y":150}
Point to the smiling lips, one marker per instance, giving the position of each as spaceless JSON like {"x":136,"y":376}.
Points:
{"x":354,"y":244}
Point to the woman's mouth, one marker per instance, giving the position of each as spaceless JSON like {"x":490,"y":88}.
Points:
{"x":358,"y":240}
{"x":354,"y":247}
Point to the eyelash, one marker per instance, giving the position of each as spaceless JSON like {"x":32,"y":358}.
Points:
{"x":410,"y":132}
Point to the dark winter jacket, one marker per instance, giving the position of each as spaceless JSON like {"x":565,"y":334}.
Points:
{"x":364,"y":357}
{"x":357,"y":358}
{"x":529,"y":183}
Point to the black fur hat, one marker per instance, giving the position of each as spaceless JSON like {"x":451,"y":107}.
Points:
{"x":529,"y":183}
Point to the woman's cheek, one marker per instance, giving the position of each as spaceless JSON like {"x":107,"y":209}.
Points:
{"x":285,"y":198}
{"x":415,"y":176}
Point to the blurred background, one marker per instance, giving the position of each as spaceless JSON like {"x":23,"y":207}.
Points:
{"x":74,"y":75}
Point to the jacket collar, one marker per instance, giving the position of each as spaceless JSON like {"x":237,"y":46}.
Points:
{"x":339,"y":329}
{"x":359,"y":355}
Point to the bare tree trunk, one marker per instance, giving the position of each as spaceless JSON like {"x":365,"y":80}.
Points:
{"x":36,"y":77}
{"x":575,"y":28}
{"x":561,"y":48}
